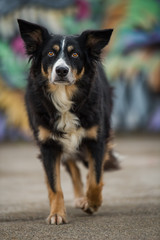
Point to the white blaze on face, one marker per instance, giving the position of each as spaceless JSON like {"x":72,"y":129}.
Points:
{"x":63,"y":44}
{"x":61,"y":63}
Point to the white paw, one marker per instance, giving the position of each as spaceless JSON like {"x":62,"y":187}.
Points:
{"x":56,"y":219}
{"x":78,"y":201}
{"x":84,"y":205}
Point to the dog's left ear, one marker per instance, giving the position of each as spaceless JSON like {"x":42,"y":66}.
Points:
{"x":33,"y":36}
{"x":96,"y":40}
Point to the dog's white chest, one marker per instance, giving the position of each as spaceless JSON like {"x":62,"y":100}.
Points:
{"x":67,"y":122}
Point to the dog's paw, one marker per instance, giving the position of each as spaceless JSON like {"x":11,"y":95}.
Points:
{"x":84,"y":205}
{"x":56,"y":219}
{"x":78,"y":201}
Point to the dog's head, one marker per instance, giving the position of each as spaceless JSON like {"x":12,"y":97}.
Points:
{"x":62,"y":59}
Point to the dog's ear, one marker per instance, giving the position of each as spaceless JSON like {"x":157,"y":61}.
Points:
{"x":33,"y":36}
{"x":96,"y":40}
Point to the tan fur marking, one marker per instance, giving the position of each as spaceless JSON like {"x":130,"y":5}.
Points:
{"x":56,"y":47}
{"x":51,"y":87}
{"x":106,"y":156}
{"x":49,"y":72}
{"x":94,"y":190}
{"x":94,"y":195}
{"x":78,"y":76}
{"x":70,"y":48}
{"x":56,"y":199}
{"x":92,"y":132}
{"x":46,"y":74}
{"x":109,"y":147}
{"x":76,"y":179}
{"x":43,"y":134}
{"x":56,"y":202}
{"x":71,"y":90}
{"x":43,"y":72}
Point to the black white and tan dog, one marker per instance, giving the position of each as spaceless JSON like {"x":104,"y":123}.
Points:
{"x":69,"y":104}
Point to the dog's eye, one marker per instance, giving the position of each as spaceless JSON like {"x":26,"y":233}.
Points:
{"x":74,"y":55}
{"x":51,"y":54}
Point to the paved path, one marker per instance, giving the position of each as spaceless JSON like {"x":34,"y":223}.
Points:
{"x":131,"y":206}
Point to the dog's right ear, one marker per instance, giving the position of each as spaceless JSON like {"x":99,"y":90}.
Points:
{"x":33,"y":36}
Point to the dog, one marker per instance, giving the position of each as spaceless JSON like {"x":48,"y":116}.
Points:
{"x":69,"y":104}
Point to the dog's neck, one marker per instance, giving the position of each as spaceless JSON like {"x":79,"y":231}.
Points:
{"x":61,"y":100}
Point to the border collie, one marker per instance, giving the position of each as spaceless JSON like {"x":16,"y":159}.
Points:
{"x":69,"y":104}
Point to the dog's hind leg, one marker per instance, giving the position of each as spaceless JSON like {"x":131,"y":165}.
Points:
{"x":111,"y":158}
{"x":75,"y":174}
{"x":93,"y":198}
{"x":51,"y":161}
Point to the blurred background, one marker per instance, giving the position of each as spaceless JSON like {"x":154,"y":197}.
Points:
{"x":131,"y":196}
{"x":131,"y":60}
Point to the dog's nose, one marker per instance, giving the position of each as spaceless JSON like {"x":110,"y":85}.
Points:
{"x":62,"y":71}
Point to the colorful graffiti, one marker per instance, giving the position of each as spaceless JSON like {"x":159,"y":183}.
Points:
{"x":132,"y":59}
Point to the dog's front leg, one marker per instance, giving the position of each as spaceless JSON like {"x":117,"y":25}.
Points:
{"x":93,"y":199}
{"x":51,"y":154}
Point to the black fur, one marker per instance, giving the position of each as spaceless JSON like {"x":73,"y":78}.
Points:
{"x":92,"y":102}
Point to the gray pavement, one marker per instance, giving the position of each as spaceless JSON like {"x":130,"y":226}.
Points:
{"x":131,"y":196}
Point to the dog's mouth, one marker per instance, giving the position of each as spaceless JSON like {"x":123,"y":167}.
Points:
{"x":62,"y":81}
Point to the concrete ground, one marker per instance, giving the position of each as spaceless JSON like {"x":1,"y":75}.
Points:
{"x":131,"y":196}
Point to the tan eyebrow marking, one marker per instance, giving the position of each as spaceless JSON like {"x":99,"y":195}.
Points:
{"x":56,"y":47}
{"x":70,"y":48}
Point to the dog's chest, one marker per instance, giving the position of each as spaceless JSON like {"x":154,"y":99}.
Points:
{"x":67,"y":122}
